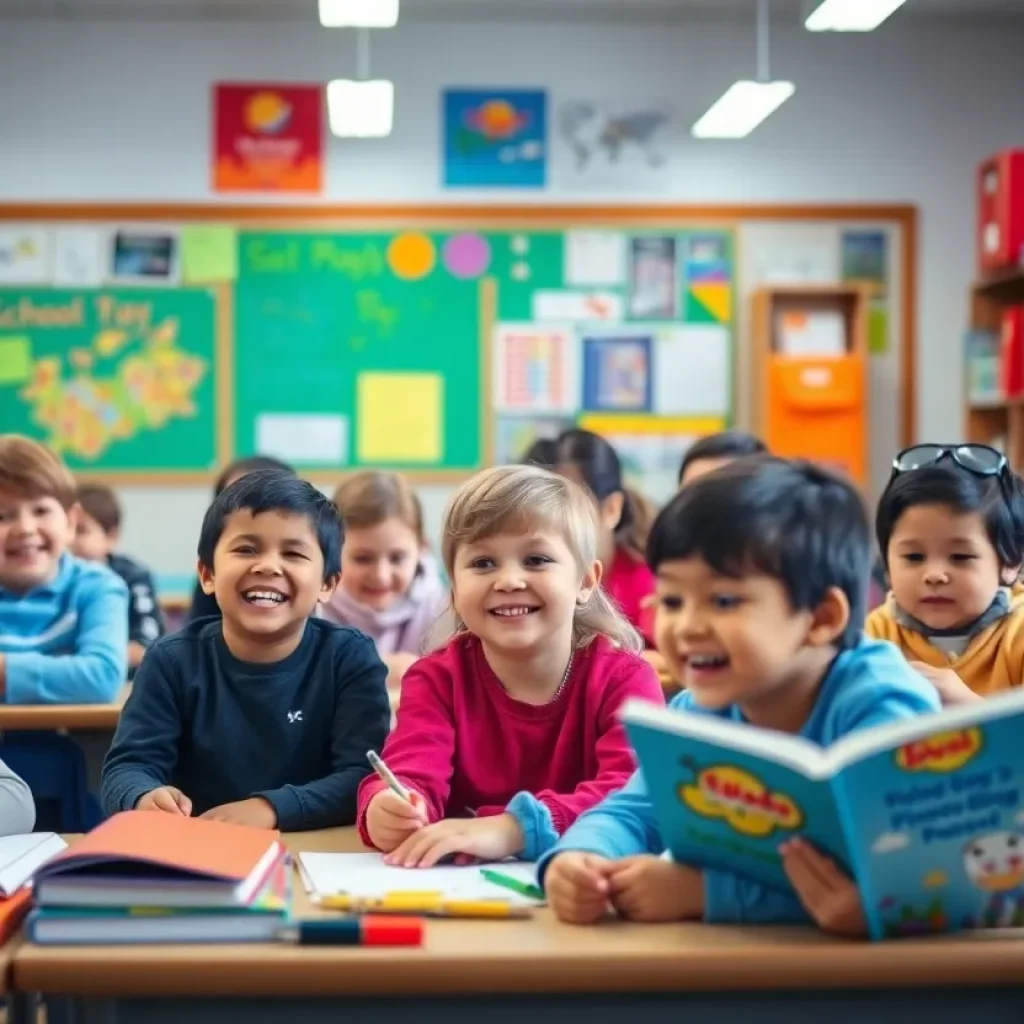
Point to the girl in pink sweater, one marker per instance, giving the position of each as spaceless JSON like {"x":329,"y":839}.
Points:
{"x":509,"y":732}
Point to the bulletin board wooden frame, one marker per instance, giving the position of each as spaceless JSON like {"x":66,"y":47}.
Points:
{"x":440,"y":216}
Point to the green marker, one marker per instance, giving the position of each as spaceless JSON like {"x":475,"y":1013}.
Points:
{"x":523,"y":888}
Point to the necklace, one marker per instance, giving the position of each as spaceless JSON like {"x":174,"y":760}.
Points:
{"x":565,"y":678}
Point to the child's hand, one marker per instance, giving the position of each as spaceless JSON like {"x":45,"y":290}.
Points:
{"x":493,"y":837}
{"x":254,"y":812}
{"x":390,"y":820}
{"x":576,"y":886}
{"x":166,"y":799}
{"x":827,"y":894}
{"x":952,"y":689}
{"x":651,"y":889}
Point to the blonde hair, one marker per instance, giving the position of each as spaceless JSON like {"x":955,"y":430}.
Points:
{"x":516,"y":499}
{"x":31,"y":470}
{"x":367,"y":499}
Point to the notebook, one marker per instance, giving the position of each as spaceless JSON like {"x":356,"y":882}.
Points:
{"x":366,"y":874}
{"x":147,"y":859}
{"x":21,"y":855}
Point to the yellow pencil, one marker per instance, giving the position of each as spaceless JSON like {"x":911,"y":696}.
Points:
{"x":422,"y":903}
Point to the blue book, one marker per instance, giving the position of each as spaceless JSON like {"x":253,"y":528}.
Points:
{"x":926,"y":814}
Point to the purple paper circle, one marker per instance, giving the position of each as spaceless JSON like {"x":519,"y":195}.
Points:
{"x":466,"y":255}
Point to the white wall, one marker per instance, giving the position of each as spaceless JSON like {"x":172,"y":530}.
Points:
{"x":111,"y":111}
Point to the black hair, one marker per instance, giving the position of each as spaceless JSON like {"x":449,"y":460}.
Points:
{"x":788,"y":519}
{"x":598,"y":465}
{"x":543,"y":452}
{"x":997,"y":499}
{"x":270,"y":490}
{"x":250,"y":464}
{"x":727,"y":444}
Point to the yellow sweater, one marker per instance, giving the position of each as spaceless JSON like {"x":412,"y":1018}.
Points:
{"x":993,"y":661}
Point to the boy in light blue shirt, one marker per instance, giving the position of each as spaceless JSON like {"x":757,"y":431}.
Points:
{"x":63,"y":622}
{"x":762,"y":570}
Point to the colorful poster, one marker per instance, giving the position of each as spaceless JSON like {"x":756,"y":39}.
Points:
{"x":495,"y":138}
{"x":617,"y":374}
{"x":865,"y":257}
{"x":653,"y":282}
{"x":536,"y":369}
{"x":707,"y":278}
{"x":140,"y":256}
{"x":267,"y":138}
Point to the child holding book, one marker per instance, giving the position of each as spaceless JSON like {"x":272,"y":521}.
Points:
{"x":507,"y":733}
{"x":389,"y":587}
{"x":262,"y":717}
{"x":950,"y":527}
{"x":758,"y":615}
{"x":97,"y":533}
{"x":63,"y":622}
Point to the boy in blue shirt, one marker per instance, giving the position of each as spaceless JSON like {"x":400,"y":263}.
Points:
{"x":262,"y":717}
{"x":762,"y":570}
{"x":63,"y":622}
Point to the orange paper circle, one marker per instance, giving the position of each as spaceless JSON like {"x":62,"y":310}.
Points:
{"x":411,"y":256}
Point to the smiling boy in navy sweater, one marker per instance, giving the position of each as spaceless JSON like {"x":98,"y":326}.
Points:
{"x":263,"y":717}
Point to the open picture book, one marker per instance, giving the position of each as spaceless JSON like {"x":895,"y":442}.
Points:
{"x":927,"y":814}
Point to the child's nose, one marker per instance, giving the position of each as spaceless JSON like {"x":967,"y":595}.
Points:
{"x":509,"y":578}
{"x":936,"y":574}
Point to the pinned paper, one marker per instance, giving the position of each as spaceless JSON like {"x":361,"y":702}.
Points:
{"x":595,"y":259}
{"x":536,"y":369}
{"x":691,"y":371}
{"x":400,"y":417}
{"x":79,"y":258}
{"x":209,"y":254}
{"x":25,"y":255}
{"x":577,"y":307}
{"x":304,"y":439}
{"x":15,"y":360}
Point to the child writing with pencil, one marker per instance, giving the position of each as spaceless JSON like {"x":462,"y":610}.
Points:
{"x":759,"y":615}
{"x":509,"y":732}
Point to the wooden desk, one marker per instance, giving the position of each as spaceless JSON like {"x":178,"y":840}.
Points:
{"x":542,"y":969}
{"x":73,"y":717}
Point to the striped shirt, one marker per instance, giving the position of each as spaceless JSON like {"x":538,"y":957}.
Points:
{"x":66,"y":642}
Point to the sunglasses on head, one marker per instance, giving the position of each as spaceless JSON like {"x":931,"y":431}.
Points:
{"x":979,"y":459}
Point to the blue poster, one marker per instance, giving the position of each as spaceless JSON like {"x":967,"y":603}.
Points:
{"x":495,"y":138}
{"x":617,"y":374}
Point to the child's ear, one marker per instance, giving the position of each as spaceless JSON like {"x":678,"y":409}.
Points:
{"x":590,"y":582}
{"x":74,"y":514}
{"x":829,"y":619}
{"x":1009,"y":574}
{"x":329,"y":586}
{"x":205,"y":577}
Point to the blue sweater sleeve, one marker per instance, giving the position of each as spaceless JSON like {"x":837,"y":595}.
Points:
{"x":362,"y":717}
{"x":730,"y":899}
{"x":97,"y":669}
{"x":145,"y":750}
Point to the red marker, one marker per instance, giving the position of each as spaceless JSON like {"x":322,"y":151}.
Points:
{"x":368,"y":930}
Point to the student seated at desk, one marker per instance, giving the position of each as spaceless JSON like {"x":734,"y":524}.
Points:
{"x":17,"y":808}
{"x":950,"y":526}
{"x":264,"y":716}
{"x":759,"y":615}
{"x":97,"y":532}
{"x":509,"y":732}
{"x":63,"y":622}
{"x":204,"y":604}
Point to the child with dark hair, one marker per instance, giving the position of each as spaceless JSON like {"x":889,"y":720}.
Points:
{"x":262,"y":717}
{"x":759,"y":616}
{"x":97,"y":533}
{"x":950,"y":527}
{"x":203,"y":604}
{"x":715,"y":451}
{"x":589,"y":460}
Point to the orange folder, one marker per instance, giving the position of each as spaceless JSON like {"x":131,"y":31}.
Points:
{"x":12,"y":912}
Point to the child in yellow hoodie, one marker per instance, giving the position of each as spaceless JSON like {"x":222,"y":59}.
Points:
{"x":950,"y":527}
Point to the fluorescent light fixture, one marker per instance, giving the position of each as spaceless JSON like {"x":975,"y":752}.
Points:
{"x":851,"y":15}
{"x":361,"y":110}
{"x":359,"y":13}
{"x":743,"y":107}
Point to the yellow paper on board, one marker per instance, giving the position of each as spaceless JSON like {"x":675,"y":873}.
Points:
{"x":15,"y":360}
{"x":209,"y":254}
{"x":400,"y":418}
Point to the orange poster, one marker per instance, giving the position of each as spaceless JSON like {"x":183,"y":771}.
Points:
{"x":267,"y":138}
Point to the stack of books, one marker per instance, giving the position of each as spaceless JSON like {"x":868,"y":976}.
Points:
{"x":147,"y":877}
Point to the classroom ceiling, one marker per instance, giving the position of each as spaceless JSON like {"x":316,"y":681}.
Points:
{"x":300,"y":10}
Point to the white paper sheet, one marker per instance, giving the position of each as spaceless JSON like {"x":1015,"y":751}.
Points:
{"x":25,"y":255}
{"x":366,"y":874}
{"x":79,"y":257}
{"x":22,"y":855}
{"x":536,"y":369}
{"x":595,"y":259}
{"x":817,"y":333}
{"x":691,"y":371}
{"x":318,"y":439}
{"x":578,"y":307}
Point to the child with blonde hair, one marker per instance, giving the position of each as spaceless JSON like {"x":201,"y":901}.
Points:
{"x":390,"y":588}
{"x":509,"y":732}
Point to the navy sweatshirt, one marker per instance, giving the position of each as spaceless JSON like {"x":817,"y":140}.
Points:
{"x":295,"y":732}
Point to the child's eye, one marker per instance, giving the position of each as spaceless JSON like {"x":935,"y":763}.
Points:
{"x":481,"y":563}
{"x":244,"y":549}
{"x":537,"y":560}
{"x":723,"y":602}
{"x":964,"y":558}
{"x":296,"y":554}
{"x":671,"y":602}
{"x":914,"y":559}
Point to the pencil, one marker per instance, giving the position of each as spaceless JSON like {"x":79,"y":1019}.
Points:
{"x":378,"y":765}
{"x":523,"y":888}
